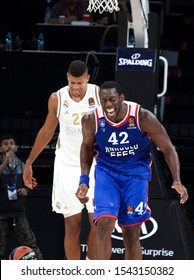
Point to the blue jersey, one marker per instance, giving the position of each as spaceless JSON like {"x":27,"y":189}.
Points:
{"x":123,"y":147}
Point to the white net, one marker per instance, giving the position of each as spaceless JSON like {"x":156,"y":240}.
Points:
{"x":103,"y":6}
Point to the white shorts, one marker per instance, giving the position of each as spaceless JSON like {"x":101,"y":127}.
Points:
{"x":65,"y":185}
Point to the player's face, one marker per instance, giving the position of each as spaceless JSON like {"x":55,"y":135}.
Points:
{"x":111,"y":103}
{"x":77,"y":85}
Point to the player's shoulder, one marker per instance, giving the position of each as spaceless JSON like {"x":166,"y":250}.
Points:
{"x":89,"y":114}
{"x":93,"y":92}
{"x":63,"y":90}
{"x":131,"y":103}
{"x":93,"y":85}
{"x":134,"y":107}
{"x":93,"y":88}
{"x":60,"y":94}
{"x":88,"y":118}
{"x":53,"y":97}
{"x":146,"y":116}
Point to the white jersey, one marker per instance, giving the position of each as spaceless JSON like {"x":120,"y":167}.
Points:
{"x":67,"y":161}
{"x":69,"y":114}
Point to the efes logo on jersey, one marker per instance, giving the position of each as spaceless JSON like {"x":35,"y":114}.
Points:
{"x":91,"y":102}
{"x":65,"y":104}
{"x":130,"y":209}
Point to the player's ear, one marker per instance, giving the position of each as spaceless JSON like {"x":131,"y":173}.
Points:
{"x":122,"y":96}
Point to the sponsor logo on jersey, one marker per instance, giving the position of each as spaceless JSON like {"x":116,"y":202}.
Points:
{"x":130,"y":209}
{"x":131,"y":123}
{"x":91,"y":102}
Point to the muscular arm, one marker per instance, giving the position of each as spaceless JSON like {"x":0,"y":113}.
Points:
{"x":87,"y":146}
{"x":46,"y":132}
{"x":150,"y":124}
{"x":86,"y":153}
{"x":44,"y":136}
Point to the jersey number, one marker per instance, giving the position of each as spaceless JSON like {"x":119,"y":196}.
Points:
{"x":123,"y":138}
{"x":76,"y":118}
{"x":140,"y":208}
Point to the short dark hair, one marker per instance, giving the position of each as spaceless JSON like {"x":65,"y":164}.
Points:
{"x":6,"y":137}
{"x":112,"y":84}
{"x":77,"y":68}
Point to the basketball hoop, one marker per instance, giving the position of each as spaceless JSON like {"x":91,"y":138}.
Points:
{"x":103,"y":6}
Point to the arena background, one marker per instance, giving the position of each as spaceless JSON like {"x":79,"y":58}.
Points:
{"x":24,"y":75}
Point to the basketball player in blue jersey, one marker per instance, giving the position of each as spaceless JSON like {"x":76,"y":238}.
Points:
{"x":121,"y":132}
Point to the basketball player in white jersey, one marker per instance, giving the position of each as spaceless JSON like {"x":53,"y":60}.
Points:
{"x":66,"y":108}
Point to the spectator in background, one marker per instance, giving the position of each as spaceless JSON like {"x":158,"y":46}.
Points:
{"x":73,"y":10}
{"x":12,"y":199}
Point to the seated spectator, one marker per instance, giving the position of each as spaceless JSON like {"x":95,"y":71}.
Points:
{"x":107,"y":18}
{"x":73,"y":10}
